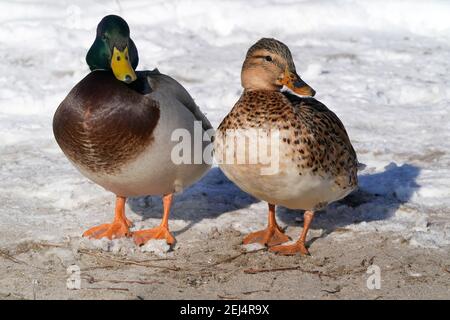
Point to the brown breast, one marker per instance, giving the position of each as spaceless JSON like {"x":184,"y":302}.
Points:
{"x":103,"y":124}
{"x":316,"y":137}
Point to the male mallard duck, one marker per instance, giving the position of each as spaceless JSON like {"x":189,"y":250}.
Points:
{"x":116,"y":124}
{"x":316,"y":162}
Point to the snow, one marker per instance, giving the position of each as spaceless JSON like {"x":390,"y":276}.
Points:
{"x":382,"y":66}
{"x":158,"y":247}
{"x":253,"y":247}
{"x":122,"y":245}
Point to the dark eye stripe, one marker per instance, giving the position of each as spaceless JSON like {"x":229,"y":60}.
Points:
{"x":274,"y":61}
{"x":263,"y":57}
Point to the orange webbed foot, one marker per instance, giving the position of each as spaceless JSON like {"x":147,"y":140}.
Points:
{"x":117,"y":229}
{"x":143,"y":236}
{"x":268,"y":237}
{"x":291,"y":249}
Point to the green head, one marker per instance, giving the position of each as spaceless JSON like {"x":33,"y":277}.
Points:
{"x":113,"y":49}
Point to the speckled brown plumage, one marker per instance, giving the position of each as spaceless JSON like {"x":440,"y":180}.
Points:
{"x":103,"y":124}
{"x":314,"y":136}
{"x":311,"y":160}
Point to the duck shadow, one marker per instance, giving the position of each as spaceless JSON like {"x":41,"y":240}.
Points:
{"x":208,"y":198}
{"x":378,"y":198}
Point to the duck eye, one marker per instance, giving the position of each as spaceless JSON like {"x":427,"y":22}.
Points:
{"x":118,"y":58}
{"x":126,"y":58}
{"x":268,"y":58}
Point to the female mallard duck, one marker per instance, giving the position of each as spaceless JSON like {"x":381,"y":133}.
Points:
{"x":116,"y":124}
{"x":316,"y":163}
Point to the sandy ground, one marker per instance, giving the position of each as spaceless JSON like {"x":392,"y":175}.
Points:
{"x":214,"y":265}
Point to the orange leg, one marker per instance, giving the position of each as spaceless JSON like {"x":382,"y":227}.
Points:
{"x":299,"y":246}
{"x":270,"y":236}
{"x":117,"y":229}
{"x":161,"y":232}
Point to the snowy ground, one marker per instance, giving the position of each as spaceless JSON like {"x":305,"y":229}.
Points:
{"x":382,"y":66}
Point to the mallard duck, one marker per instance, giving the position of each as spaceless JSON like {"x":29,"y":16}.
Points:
{"x":316,"y":162}
{"x":115,"y":126}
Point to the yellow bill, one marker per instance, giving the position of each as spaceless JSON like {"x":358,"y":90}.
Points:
{"x":121,"y":66}
{"x":293,"y":81}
